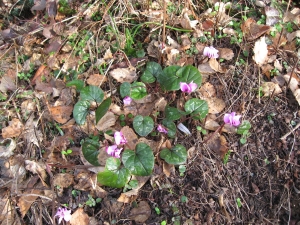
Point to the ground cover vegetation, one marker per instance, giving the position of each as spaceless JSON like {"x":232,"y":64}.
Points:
{"x":149,"y":112}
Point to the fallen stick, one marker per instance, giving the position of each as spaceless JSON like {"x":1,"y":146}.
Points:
{"x":286,"y":135}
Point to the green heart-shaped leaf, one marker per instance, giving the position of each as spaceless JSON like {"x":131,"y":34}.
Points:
{"x":143,"y":125}
{"x":80,"y":111}
{"x":77,"y":83}
{"x":125,"y":89}
{"x":139,"y":162}
{"x":176,"y":155}
{"x":188,"y":74}
{"x":170,"y":125}
{"x":92,"y":93}
{"x":113,"y":175}
{"x":152,"y":70}
{"x":196,"y":107}
{"x":138,"y":90}
{"x":168,"y":79}
{"x":90,"y":150}
{"x":172,"y":113}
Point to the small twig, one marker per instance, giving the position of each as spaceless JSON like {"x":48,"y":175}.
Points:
{"x":292,"y":131}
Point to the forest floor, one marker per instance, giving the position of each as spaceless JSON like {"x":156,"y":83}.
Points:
{"x":66,"y":69}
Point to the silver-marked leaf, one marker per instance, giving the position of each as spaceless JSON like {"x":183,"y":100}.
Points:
{"x":92,"y":93}
{"x":90,"y":150}
{"x":143,"y":125}
{"x":139,"y":162}
{"x":176,"y":155}
{"x":80,"y":111}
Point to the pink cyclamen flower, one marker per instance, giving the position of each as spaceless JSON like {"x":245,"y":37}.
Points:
{"x":127,"y":100}
{"x":232,"y":119}
{"x":211,"y":52}
{"x":161,"y":129}
{"x":114,"y":151}
{"x":119,"y":138}
{"x":63,"y":213}
{"x":188,"y":88}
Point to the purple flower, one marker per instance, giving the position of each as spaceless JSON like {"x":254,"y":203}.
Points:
{"x":114,"y":151}
{"x":119,"y":138}
{"x":63,"y":213}
{"x":211,"y":52}
{"x":127,"y":100}
{"x":161,"y":129}
{"x":232,"y":119}
{"x":188,"y":88}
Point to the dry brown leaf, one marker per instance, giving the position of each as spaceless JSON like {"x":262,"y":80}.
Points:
{"x":168,"y":169}
{"x":96,"y":79}
{"x":31,"y":133}
{"x":61,"y":114}
{"x":214,"y":64}
{"x":216,"y":105}
{"x":79,"y":217}
{"x":207,"y":90}
{"x":278,"y":40}
{"x":205,"y":68}
{"x":6,"y":209}
{"x":217,"y":143}
{"x":266,"y":69}
{"x":141,"y":213}
{"x":124,"y":75}
{"x":63,"y":180}
{"x":255,"y":188}
{"x":185,"y":21}
{"x":144,"y":109}
{"x":252,"y":30}
{"x":160,"y":104}
{"x":211,"y":125}
{"x":27,"y":107}
{"x":130,"y":136}
{"x":14,"y":129}
{"x":26,"y":200}
{"x":107,"y":121}
{"x":260,"y":51}
{"x":7,"y":150}
{"x":39,"y":5}
{"x":7,"y":83}
{"x":38,"y":73}
{"x":37,"y":168}
{"x":131,"y":195}
{"x":272,"y":14}
{"x":226,"y":53}
{"x":269,"y":88}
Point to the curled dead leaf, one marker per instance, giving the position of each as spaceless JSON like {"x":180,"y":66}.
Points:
{"x":252,"y":30}
{"x":293,"y":85}
{"x":214,"y":64}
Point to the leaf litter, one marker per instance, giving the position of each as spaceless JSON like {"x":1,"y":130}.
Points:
{"x":39,"y":131}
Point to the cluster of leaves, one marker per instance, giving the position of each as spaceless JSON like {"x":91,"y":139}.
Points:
{"x":140,"y":161}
